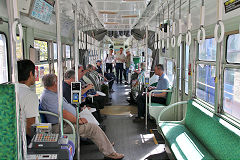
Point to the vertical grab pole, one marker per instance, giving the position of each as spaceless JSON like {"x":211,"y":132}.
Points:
{"x":11,"y":6}
{"x":76,"y":47}
{"x":146,"y":61}
{"x":60,"y":74}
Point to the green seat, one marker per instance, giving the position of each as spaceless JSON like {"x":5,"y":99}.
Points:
{"x":201,"y":133}
{"x":156,"y":108}
{"x":183,"y":143}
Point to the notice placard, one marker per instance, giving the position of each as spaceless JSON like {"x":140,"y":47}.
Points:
{"x":231,"y":5}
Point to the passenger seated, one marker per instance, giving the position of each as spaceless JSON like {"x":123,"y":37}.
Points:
{"x":49,"y":102}
{"x":160,"y":97}
{"x":28,"y":99}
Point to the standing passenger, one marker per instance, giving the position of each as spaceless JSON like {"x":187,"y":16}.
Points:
{"x":128,"y":62}
{"x":109,"y":61}
{"x":120,"y":59}
{"x":28,"y":99}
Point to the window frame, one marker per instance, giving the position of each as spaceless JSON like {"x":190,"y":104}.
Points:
{"x":186,"y":68}
{"x":204,"y":62}
{"x":8,"y":58}
{"x":39,"y":39}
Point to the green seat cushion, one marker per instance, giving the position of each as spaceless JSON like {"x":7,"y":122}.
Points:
{"x":183,"y":143}
{"x":169,"y":97}
{"x":220,"y":138}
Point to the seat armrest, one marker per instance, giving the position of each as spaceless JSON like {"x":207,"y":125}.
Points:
{"x":169,"y":107}
{"x":67,"y":121}
{"x":150,"y":94}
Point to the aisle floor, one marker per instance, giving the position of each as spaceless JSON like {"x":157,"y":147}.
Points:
{"x":132,"y":139}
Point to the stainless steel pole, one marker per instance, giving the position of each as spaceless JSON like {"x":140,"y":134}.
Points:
{"x":14,"y":69}
{"x":146,"y":63}
{"x":60,"y":74}
{"x":76,"y":51}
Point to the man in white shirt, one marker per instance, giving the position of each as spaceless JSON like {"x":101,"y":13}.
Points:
{"x":119,"y":59}
{"x":28,"y":99}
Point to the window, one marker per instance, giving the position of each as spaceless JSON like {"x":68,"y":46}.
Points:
{"x":207,"y":51}
{"x":19,"y":50}
{"x":233,"y":48}
{"x":3,"y":59}
{"x":180,"y":67}
{"x":41,"y":70}
{"x":55,"y":54}
{"x":170,"y":71}
{"x":206,"y":83}
{"x":186,"y":68}
{"x":231,"y":96}
{"x":43,"y":47}
{"x":68,"y":51}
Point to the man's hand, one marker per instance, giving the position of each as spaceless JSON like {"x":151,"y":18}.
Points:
{"x":89,"y":86}
{"x":151,"y":88}
{"x":82,"y":121}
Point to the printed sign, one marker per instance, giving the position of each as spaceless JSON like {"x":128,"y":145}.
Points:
{"x":231,"y":5}
{"x":36,"y":73}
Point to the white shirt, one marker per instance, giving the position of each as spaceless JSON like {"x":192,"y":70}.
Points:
{"x":110,"y":59}
{"x":120,"y":56}
{"x":28,"y":101}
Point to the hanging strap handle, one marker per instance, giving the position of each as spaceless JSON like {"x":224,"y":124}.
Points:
{"x":219,"y":24}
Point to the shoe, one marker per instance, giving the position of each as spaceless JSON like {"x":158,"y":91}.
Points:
{"x":126,"y":83}
{"x":114,"y":155}
{"x":138,"y":119}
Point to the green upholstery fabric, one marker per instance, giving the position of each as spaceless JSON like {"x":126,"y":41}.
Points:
{"x":169,"y":97}
{"x":8,"y":127}
{"x":183,"y":143}
{"x":220,"y":138}
{"x":154,"y":84}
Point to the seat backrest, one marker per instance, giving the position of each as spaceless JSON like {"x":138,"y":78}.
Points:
{"x":42,"y":116}
{"x":220,"y":137}
{"x":169,"y":97}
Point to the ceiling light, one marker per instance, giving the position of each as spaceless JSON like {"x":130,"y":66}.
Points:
{"x":130,"y":16}
{"x":107,"y":12}
{"x":111,"y":23}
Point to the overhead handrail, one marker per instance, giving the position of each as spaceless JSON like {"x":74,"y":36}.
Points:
{"x":180,"y":26}
{"x":201,"y":29}
{"x":188,"y":34}
{"x":173,"y":39}
{"x":14,"y":29}
{"x":219,"y":24}
{"x":163,"y":45}
{"x":168,"y":28}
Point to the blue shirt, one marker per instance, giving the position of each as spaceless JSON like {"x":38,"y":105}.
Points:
{"x":49,"y":102}
{"x":163,"y":83}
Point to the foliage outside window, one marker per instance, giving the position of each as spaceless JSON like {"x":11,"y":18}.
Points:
{"x":19,"y":49}
{"x":42,"y":70}
{"x":55,"y":54}
{"x":68,"y":51}
{"x":43,"y":47}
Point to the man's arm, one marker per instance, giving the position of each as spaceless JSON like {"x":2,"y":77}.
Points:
{"x":69,"y":116}
{"x":29,"y":123}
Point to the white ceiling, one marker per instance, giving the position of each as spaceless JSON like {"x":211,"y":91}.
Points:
{"x":120,"y":8}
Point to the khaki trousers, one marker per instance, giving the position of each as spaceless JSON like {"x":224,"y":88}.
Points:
{"x":93,"y":132}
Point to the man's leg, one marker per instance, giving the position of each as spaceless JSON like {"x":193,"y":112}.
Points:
{"x":117,"y":71}
{"x":141,"y":100}
{"x":121,"y":72}
{"x":96,"y":134}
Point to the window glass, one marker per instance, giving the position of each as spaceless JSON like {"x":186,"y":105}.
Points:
{"x":207,"y":51}
{"x":231,"y":96}
{"x":206,"y":83}
{"x":41,"y":70}
{"x":19,"y":49}
{"x":68,"y":51}
{"x":68,"y":64}
{"x":180,"y":66}
{"x":3,"y":59}
{"x":43,"y":47}
{"x":170,"y":71}
{"x":233,"y":48}
{"x":186,"y":68}
{"x":55,"y":54}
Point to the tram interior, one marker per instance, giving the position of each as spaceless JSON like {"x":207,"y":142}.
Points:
{"x":196,"y":41}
